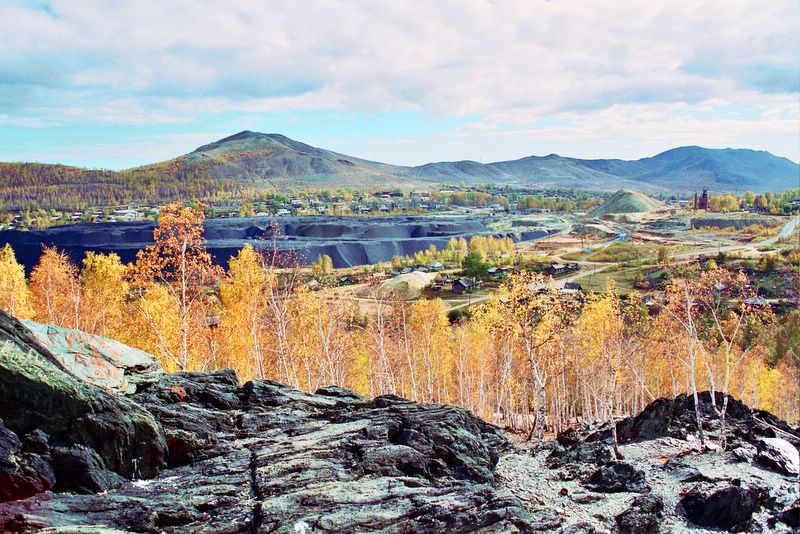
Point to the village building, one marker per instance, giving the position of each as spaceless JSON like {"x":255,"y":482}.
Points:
{"x":463,"y":285}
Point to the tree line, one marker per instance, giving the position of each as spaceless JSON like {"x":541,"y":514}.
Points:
{"x":529,"y":358}
{"x":34,"y":186}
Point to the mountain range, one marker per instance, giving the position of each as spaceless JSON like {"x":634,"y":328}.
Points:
{"x":276,"y":161}
{"x":281,"y":162}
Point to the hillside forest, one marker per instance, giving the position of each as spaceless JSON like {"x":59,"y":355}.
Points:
{"x":529,"y":359}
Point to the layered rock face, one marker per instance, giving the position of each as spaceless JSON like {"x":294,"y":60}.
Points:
{"x":198,"y":452}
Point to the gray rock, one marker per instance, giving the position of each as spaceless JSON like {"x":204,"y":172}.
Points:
{"x":618,"y":476}
{"x":779,"y":454}
{"x":97,"y":360}
{"x":730,"y":508}
{"x":642,"y":517}
{"x":38,"y":394}
{"x":745,"y":453}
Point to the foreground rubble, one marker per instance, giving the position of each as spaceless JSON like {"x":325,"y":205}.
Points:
{"x":670,"y":483}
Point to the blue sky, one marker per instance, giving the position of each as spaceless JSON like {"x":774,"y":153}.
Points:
{"x":121,"y":83}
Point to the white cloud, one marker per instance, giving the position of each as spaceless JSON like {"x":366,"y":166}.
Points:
{"x":513,"y":63}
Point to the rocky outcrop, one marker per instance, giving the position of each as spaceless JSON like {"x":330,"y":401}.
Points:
{"x":197,"y":451}
{"x":95,"y":359}
{"x":676,"y":418}
{"x":266,"y":457}
{"x":191,"y":452}
{"x":48,"y":412}
{"x":687,"y":488}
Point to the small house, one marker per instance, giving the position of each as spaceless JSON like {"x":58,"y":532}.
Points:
{"x":463,"y":285}
{"x":436,"y":266}
{"x":497,"y":273}
{"x":571,"y":287}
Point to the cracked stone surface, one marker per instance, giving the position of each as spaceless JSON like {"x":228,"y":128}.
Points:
{"x":269,"y":458}
{"x":197,"y":452}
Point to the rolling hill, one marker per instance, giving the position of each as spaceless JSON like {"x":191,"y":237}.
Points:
{"x":679,"y":169}
{"x":273,"y":161}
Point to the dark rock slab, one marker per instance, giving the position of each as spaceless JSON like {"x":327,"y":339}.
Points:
{"x":791,"y":516}
{"x":729,"y":508}
{"x":616,"y":477}
{"x":22,"y":474}
{"x":80,"y":469}
{"x":642,"y":517}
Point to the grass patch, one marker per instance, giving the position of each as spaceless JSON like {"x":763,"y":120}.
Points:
{"x":623,"y":252}
{"x":597,"y":282}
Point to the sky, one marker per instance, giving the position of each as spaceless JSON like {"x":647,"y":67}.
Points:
{"x":120,"y":83}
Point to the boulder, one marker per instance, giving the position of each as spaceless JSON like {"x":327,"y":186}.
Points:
{"x":780,"y":455}
{"x":676,"y":418}
{"x":39,"y":394}
{"x":729,"y":508}
{"x":80,"y":469}
{"x":642,"y":517}
{"x":745,"y":453}
{"x":580,"y":453}
{"x":95,"y":359}
{"x":618,"y":476}
{"x":791,"y":516}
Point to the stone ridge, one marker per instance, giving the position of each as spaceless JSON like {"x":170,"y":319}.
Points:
{"x":198,"y":452}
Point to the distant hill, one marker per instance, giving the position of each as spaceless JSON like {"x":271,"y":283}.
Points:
{"x":626,"y":201}
{"x":559,"y":172}
{"x":459,"y":171}
{"x":726,"y":169}
{"x":680,"y":169}
{"x":273,"y":161}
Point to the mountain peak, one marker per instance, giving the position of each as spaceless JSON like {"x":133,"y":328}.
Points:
{"x":244,"y":134}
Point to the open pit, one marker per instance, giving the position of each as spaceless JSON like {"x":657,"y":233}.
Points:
{"x":348,"y":241}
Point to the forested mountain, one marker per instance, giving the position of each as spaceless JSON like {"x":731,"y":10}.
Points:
{"x":249,"y":160}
